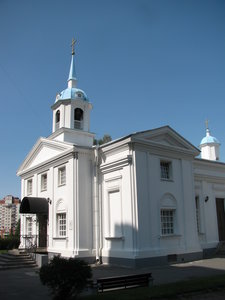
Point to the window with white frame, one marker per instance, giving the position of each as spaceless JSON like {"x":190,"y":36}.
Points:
{"x":44,"y":182}
{"x":29,"y":186}
{"x":61,"y":224}
{"x":166,"y":170}
{"x":167,"y":221}
{"x":62,"y":176}
{"x":29,"y":226}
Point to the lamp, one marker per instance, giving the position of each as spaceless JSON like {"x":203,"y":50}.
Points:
{"x":206,"y":198}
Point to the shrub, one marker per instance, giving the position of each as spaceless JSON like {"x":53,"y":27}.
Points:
{"x":65,"y":277}
{"x":11,"y":242}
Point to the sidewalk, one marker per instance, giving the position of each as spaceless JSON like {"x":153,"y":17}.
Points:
{"x":25,"y":284}
{"x":170,"y":273}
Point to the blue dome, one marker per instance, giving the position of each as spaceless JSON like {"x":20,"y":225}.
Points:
{"x":71,"y":93}
{"x":209,"y":140}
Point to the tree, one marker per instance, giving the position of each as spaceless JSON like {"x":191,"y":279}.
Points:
{"x":17,"y":230}
{"x":106,"y":138}
{"x":65,"y":277}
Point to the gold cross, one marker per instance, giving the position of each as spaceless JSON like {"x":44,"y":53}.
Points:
{"x":72,"y":45}
{"x":207,"y":123}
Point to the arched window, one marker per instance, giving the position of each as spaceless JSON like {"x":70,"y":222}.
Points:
{"x":78,"y":118}
{"x":57,"y":119}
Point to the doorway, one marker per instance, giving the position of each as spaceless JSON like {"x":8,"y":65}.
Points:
{"x":220,"y":218}
{"x":42,"y":219}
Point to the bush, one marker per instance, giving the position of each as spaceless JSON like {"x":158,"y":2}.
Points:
{"x":65,"y":277}
{"x":9,"y":243}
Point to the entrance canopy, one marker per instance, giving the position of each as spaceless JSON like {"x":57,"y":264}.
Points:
{"x":34,"y":205}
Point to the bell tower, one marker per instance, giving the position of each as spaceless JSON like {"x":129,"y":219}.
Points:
{"x":71,"y":112}
{"x":209,"y":146}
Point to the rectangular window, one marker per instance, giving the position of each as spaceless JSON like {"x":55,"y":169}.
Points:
{"x":29,"y":226}
{"x":166,"y":170}
{"x":61,"y":224}
{"x":43,"y":182}
{"x":167,"y":221}
{"x":62,"y":176}
{"x":197,"y":213}
{"x":29,"y":186}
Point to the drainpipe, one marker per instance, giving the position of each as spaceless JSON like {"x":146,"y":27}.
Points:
{"x":96,"y":204}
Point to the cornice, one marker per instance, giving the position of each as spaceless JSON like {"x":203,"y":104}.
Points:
{"x":116,"y":165}
{"x":52,"y":162}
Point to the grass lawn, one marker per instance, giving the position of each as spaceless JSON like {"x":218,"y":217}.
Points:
{"x":164,"y":291}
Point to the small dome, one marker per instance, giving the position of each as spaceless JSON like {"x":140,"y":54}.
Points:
{"x":71,"y":93}
{"x":208,"y":139}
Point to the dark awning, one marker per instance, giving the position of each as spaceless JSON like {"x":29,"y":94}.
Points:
{"x":34,"y":205}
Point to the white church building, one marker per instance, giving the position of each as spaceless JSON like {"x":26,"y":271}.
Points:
{"x":146,"y":198}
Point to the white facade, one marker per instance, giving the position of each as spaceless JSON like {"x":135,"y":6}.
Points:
{"x":144,"y":198}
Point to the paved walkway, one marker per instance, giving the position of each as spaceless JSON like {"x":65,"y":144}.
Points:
{"x":25,"y":284}
{"x":170,"y":273}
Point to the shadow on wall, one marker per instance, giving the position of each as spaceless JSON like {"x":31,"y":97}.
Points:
{"x":123,"y":248}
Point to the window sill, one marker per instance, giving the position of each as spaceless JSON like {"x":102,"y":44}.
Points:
{"x":201,"y":233}
{"x":167,"y":180}
{"x":115,"y":238}
{"x":170,"y":236}
{"x":59,"y":185}
{"x":60,"y":238}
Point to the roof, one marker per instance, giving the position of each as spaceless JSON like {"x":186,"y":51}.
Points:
{"x":72,"y":93}
{"x":153,"y":132}
{"x":72,"y":73}
{"x":208,"y":139}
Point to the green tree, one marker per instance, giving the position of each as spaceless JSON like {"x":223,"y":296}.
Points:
{"x":17,"y":231}
{"x":106,"y":138}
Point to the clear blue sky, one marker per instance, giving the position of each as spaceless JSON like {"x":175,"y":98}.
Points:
{"x":143,"y":64}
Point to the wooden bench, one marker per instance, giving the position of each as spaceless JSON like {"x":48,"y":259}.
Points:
{"x":123,"y":282}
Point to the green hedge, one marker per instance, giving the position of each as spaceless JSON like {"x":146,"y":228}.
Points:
{"x":9,"y":243}
{"x":65,"y":277}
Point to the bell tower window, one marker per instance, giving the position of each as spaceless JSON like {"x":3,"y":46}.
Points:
{"x":78,"y":118}
{"x":57,"y":119}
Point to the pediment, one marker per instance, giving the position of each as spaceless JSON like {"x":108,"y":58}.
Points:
{"x":44,"y":150}
{"x":166,"y":137}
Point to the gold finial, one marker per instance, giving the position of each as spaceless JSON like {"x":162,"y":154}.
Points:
{"x":207,"y":123}
{"x":72,"y":45}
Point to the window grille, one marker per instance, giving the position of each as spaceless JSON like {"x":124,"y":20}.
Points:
{"x":61,"y":221}
{"x":165,"y":170}
{"x":167,"y":221}
{"x":29,"y":226}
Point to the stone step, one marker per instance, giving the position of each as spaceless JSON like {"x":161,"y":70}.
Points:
{"x":14,"y":261}
{"x":13,"y":258}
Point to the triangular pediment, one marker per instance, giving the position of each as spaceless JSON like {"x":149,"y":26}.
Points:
{"x":43,"y":151}
{"x":167,"y":138}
